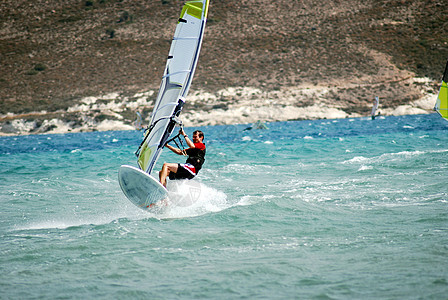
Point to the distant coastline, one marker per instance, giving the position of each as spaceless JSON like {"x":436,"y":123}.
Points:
{"x":241,"y":105}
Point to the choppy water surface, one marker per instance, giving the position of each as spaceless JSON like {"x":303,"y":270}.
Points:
{"x":330,"y":209}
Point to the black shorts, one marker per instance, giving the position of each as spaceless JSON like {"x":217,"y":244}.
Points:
{"x":181,"y":173}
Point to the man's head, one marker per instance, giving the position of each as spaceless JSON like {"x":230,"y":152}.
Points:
{"x":198,"y":136}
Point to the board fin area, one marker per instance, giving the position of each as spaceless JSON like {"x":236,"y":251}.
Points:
{"x":140,"y":188}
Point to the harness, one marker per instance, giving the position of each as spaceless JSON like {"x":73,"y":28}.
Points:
{"x":196,"y":157}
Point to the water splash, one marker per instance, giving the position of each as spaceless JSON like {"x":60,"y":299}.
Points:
{"x":190,"y":198}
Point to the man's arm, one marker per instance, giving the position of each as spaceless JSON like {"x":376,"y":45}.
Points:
{"x":175,"y":150}
{"x":187,"y":139}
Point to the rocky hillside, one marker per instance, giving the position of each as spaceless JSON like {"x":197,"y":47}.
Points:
{"x":54,"y":54}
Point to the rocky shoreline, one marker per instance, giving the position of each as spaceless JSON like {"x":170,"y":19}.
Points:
{"x":239,"y":105}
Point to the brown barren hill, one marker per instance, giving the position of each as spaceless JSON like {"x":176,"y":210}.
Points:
{"x":55,"y":54}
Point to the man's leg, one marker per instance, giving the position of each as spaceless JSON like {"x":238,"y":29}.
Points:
{"x":166,"y":169}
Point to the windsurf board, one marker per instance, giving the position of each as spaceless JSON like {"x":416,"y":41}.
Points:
{"x":141,"y":188}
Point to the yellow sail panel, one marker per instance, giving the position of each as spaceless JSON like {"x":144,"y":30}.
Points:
{"x":144,"y":158}
{"x":442,"y":99}
{"x":194,"y":8}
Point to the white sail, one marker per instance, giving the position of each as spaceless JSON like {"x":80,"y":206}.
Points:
{"x":376,"y":103}
{"x":176,"y":81}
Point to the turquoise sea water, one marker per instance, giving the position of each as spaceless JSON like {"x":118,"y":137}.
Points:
{"x":327,"y":209}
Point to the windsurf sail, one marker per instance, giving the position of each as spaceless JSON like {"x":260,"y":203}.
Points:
{"x":442,"y":99}
{"x":138,"y":122}
{"x":376,"y":103}
{"x":179,"y":71}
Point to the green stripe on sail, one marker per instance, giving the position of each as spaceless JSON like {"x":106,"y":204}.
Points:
{"x":442,"y":101}
{"x":193,"y":8}
{"x":143,"y":159}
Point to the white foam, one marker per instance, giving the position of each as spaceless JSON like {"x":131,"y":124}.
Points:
{"x":73,"y":221}
{"x":364,"y":168}
{"x":190,"y":198}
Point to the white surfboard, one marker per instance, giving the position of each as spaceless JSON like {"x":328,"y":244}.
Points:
{"x":141,"y":188}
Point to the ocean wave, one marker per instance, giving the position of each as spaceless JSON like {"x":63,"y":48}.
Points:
{"x":390,"y":156}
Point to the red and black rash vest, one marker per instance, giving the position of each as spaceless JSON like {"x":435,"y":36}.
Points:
{"x":196,"y":156}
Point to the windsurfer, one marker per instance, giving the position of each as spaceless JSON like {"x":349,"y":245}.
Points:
{"x":376,"y":103}
{"x":195,"y":160}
